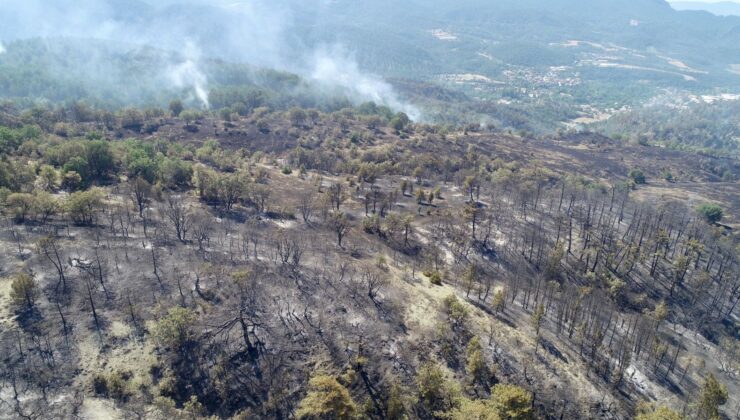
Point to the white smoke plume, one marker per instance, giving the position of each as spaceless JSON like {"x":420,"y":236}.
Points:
{"x":187,"y":74}
{"x":335,"y":67}
{"x":2,"y":49}
{"x":257,"y":32}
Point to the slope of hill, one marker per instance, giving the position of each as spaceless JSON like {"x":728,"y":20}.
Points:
{"x":316,"y":264}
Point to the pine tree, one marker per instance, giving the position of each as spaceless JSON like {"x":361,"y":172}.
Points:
{"x":475,"y":364}
{"x":326,"y":398}
{"x":713,"y":394}
{"x":23,"y":292}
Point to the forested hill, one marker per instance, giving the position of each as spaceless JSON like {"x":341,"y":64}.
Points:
{"x":526,"y":66}
{"x":425,"y":32}
{"x":422,"y":37}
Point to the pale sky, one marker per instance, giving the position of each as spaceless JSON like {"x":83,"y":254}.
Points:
{"x":706,"y":1}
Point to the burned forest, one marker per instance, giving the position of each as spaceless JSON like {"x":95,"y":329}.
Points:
{"x":336,"y":265}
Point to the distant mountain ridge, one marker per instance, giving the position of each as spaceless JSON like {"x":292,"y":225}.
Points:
{"x":724,"y":8}
{"x":384,"y":30}
{"x":517,"y":61}
{"x":393,"y":38}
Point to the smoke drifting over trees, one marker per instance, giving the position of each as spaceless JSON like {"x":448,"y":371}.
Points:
{"x":186,"y":35}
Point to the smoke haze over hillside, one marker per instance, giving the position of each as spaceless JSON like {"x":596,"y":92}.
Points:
{"x":257,"y":32}
{"x":504,"y":54}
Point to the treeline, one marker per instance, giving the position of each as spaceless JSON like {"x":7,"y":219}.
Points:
{"x":711,"y":128}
